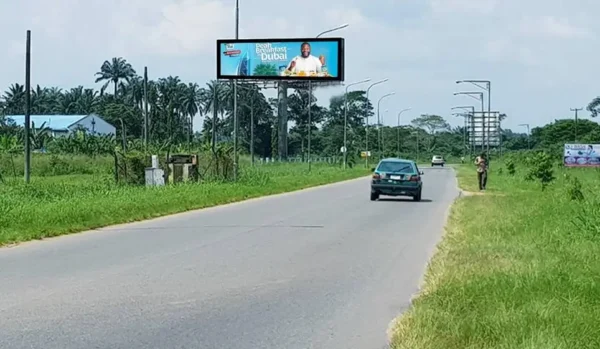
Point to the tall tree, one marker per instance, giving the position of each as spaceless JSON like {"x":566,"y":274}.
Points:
{"x":114,"y":71}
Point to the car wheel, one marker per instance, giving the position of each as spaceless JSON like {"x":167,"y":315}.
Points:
{"x":374,"y":196}
{"x":432,"y":165}
{"x":442,"y":165}
{"x":417,"y":197}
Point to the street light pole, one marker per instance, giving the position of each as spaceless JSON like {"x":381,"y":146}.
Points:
{"x":472,"y":95}
{"x":470,"y":117}
{"x":379,"y":119}
{"x":367,"y":121}
{"x":346,"y":119}
{"x":488,"y":88}
{"x":235,"y":115}
{"x":465,"y":116}
{"x":528,"y":133}
{"x":576,"y":110}
{"x":398,"y":130}
{"x":27,"y":125}
{"x":310,"y":96}
{"x":381,"y":133}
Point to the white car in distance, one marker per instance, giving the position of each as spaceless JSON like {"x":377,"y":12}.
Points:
{"x":438,"y":160}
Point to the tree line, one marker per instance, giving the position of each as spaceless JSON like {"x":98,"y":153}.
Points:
{"x":174,"y":106}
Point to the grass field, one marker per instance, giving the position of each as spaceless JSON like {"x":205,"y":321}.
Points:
{"x":56,"y":205}
{"x":518,"y":268}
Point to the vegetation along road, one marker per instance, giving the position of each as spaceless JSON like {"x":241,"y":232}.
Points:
{"x":518,"y":268}
{"x":324,"y":268}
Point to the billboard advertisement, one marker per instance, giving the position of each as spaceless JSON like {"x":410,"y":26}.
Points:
{"x":581,"y":155}
{"x":319,"y":59}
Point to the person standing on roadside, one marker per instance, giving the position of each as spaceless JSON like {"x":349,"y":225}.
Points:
{"x":482,"y":168}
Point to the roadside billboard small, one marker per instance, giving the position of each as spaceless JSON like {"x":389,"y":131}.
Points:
{"x":320,"y":59}
{"x":581,"y":155}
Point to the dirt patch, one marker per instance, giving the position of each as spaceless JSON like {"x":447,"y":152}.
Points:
{"x":479,"y":193}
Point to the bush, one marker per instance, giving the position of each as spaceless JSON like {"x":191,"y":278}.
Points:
{"x":587,"y":220}
{"x":131,"y":167}
{"x":574,"y":187}
{"x":541,"y":169}
{"x":510,"y":167}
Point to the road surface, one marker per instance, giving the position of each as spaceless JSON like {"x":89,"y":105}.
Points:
{"x":322,"y":268}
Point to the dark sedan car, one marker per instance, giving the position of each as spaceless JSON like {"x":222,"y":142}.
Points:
{"x":396,"y":177}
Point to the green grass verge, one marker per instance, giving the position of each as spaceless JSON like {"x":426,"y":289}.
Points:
{"x":59,"y":205}
{"x":517,"y":268}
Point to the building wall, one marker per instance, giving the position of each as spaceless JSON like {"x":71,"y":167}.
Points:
{"x":95,"y":124}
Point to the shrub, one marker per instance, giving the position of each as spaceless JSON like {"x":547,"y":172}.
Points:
{"x":541,"y":169}
{"x":574,"y":188}
{"x":510,"y":167}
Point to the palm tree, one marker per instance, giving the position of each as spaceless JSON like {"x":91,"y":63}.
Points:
{"x":214,"y":103}
{"x":14,"y":99}
{"x":190,"y":101}
{"x":113,"y":72}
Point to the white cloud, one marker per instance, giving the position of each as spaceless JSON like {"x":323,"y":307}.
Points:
{"x":464,"y":6}
{"x":552,"y":27}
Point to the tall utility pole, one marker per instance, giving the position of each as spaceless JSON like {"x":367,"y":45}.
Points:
{"x":528,"y":133}
{"x":28,"y":108}
{"x":346,"y":119}
{"x":465,"y":116}
{"x":576,"y":110}
{"x":379,"y":139}
{"x":310,"y":97}
{"x":479,"y":98}
{"x":398,"y":130}
{"x":146,"y":118}
{"x":488,"y":88}
{"x":367,"y":122}
{"x":470,"y":118}
{"x":381,"y":131}
{"x":235,"y":116}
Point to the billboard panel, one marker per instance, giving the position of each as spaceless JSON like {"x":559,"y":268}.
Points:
{"x":581,"y":155}
{"x":319,"y":59}
{"x":484,"y":128}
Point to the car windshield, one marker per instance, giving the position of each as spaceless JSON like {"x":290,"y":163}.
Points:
{"x":395,"y":167}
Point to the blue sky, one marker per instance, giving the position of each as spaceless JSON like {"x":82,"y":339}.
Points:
{"x":538,"y":54}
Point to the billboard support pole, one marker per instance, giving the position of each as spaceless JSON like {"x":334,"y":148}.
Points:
{"x":310,"y":97}
{"x":489,"y":88}
{"x":235,"y":115}
{"x":485,"y":137}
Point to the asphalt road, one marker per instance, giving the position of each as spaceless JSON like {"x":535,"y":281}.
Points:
{"x":322,"y":268}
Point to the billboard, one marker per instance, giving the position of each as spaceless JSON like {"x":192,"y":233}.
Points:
{"x":320,"y":59}
{"x":484,"y":129}
{"x":581,"y":155}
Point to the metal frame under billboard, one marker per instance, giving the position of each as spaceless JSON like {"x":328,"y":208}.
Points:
{"x":279,"y":69}
{"x":490,"y":122}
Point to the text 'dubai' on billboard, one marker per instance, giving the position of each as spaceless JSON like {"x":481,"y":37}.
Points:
{"x":319,"y":59}
{"x":581,"y":155}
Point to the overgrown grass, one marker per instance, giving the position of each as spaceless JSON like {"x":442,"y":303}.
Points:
{"x":518,"y":268}
{"x":11,"y":166}
{"x":58,"y":205}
